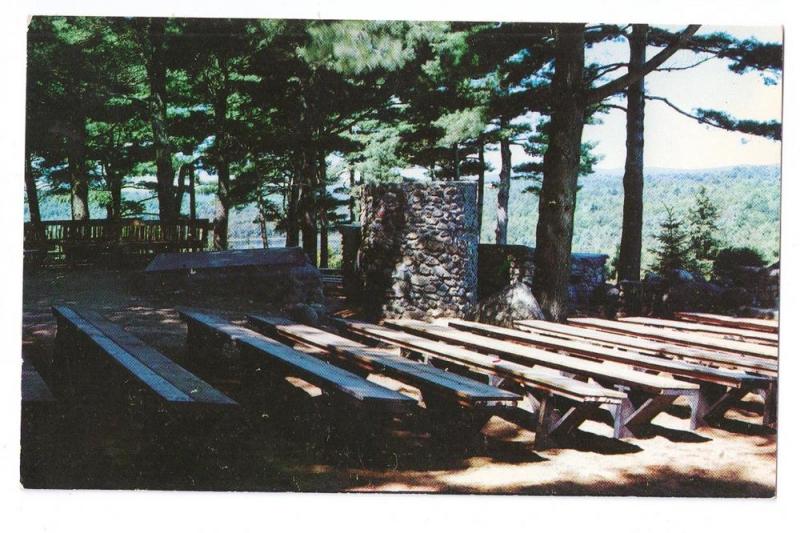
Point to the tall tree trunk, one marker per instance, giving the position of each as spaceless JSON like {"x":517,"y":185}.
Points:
{"x":115,"y":188}
{"x":323,"y":239}
{"x":481,"y":181}
{"x":560,"y":182}
{"x":262,"y":220}
{"x":32,"y":192}
{"x":78,"y":178}
{"x":192,"y":198}
{"x":222,"y":205}
{"x":292,"y":226}
{"x":630,"y":248}
{"x":351,"y":201}
{"x":157,"y":74}
{"x":308,"y":224}
{"x":322,"y":169}
{"x":503,"y":189}
{"x":308,"y":210}
{"x":183,"y":173}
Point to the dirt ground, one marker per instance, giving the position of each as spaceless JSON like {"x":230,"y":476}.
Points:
{"x":78,"y":448}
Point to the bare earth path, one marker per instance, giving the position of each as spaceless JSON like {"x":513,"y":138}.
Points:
{"x":737,"y":459}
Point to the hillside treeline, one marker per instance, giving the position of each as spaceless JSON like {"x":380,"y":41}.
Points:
{"x":280,"y":110}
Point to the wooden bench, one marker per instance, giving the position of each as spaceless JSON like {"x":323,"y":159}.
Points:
{"x":98,"y":360}
{"x":268,"y":362}
{"x":662,"y":349}
{"x":686,"y":339}
{"x":754,"y":324}
{"x":647,"y":394}
{"x":735,"y":334}
{"x":720,"y":389}
{"x":456,"y":402}
{"x":557,"y":404}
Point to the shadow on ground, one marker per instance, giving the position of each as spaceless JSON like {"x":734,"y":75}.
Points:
{"x":305,"y":446}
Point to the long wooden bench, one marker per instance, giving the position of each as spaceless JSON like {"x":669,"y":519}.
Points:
{"x":686,"y":339}
{"x":274,"y":361}
{"x":662,"y":349}
{"x":647,"y":394}
{"x":457,"y":403}
{"x":98,"y":360}
{"x":751,"y":365}
{"x":755,"y":324}
{"x":736,"y":334}
{"x":557,"y":404}
{"x":720,"y":389}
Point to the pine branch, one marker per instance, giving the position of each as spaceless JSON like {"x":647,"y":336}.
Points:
{"x":611,"y":67}
{"x":613,"y":87}
{"x":723,"y":121}
{"x":687,"y":67}
{"x":616,"y":106}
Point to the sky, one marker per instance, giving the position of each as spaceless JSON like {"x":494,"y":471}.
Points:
{"x":676,"y":141}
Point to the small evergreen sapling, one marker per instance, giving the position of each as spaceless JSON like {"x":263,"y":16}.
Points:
{"x":673,"y":251}
{"x":702,"y":231}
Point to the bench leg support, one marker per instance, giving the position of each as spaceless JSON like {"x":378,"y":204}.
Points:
{"x":629,"y":416}
{"x":711,"y":402}
{"x":770,"y":396}
{"x":551,"y":426}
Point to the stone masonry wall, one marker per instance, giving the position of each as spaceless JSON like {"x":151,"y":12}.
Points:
{"x":419,"y":249}
{"x":500,"y":265}
{"x":767,"y":291}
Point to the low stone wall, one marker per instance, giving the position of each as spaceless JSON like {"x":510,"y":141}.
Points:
{"x":418,"y":251}
{"x":761,"y":283}
{"x":499,"y":265}
{"x":768,"y":287}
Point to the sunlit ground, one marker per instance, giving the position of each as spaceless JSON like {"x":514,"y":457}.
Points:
{"x":295,"y":447}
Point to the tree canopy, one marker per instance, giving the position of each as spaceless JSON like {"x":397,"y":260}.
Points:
{"x":293,"y":114}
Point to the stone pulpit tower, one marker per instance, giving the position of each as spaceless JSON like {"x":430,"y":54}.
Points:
{"x":418,"y":251}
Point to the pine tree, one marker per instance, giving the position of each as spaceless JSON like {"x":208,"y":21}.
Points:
{"x":741,"y":56}
{"x":673,"y":251}
{"x":703,"y":226}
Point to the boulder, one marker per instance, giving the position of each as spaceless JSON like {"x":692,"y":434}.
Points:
{"x":303,"y":313}
{"x":733,"y":298}
{"x":515,"y":302}
{"x":692,"y":296}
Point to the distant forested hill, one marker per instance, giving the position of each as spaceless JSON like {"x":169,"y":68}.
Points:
{"x":748,"y":199}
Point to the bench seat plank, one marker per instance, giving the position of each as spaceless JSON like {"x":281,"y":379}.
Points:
{"x":383,"y":361}
{"x":739,"y":334}
{"x":755,"y":324}
{"x":754,"y":350}
{"x":694,"y":372}
{"x":135,"y":368}
{"x":648,"y":346}
{"x":568,"y":387}
{"x":187,"y":382}
{"x":619,"y":374}
{"x":319,"y":373}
